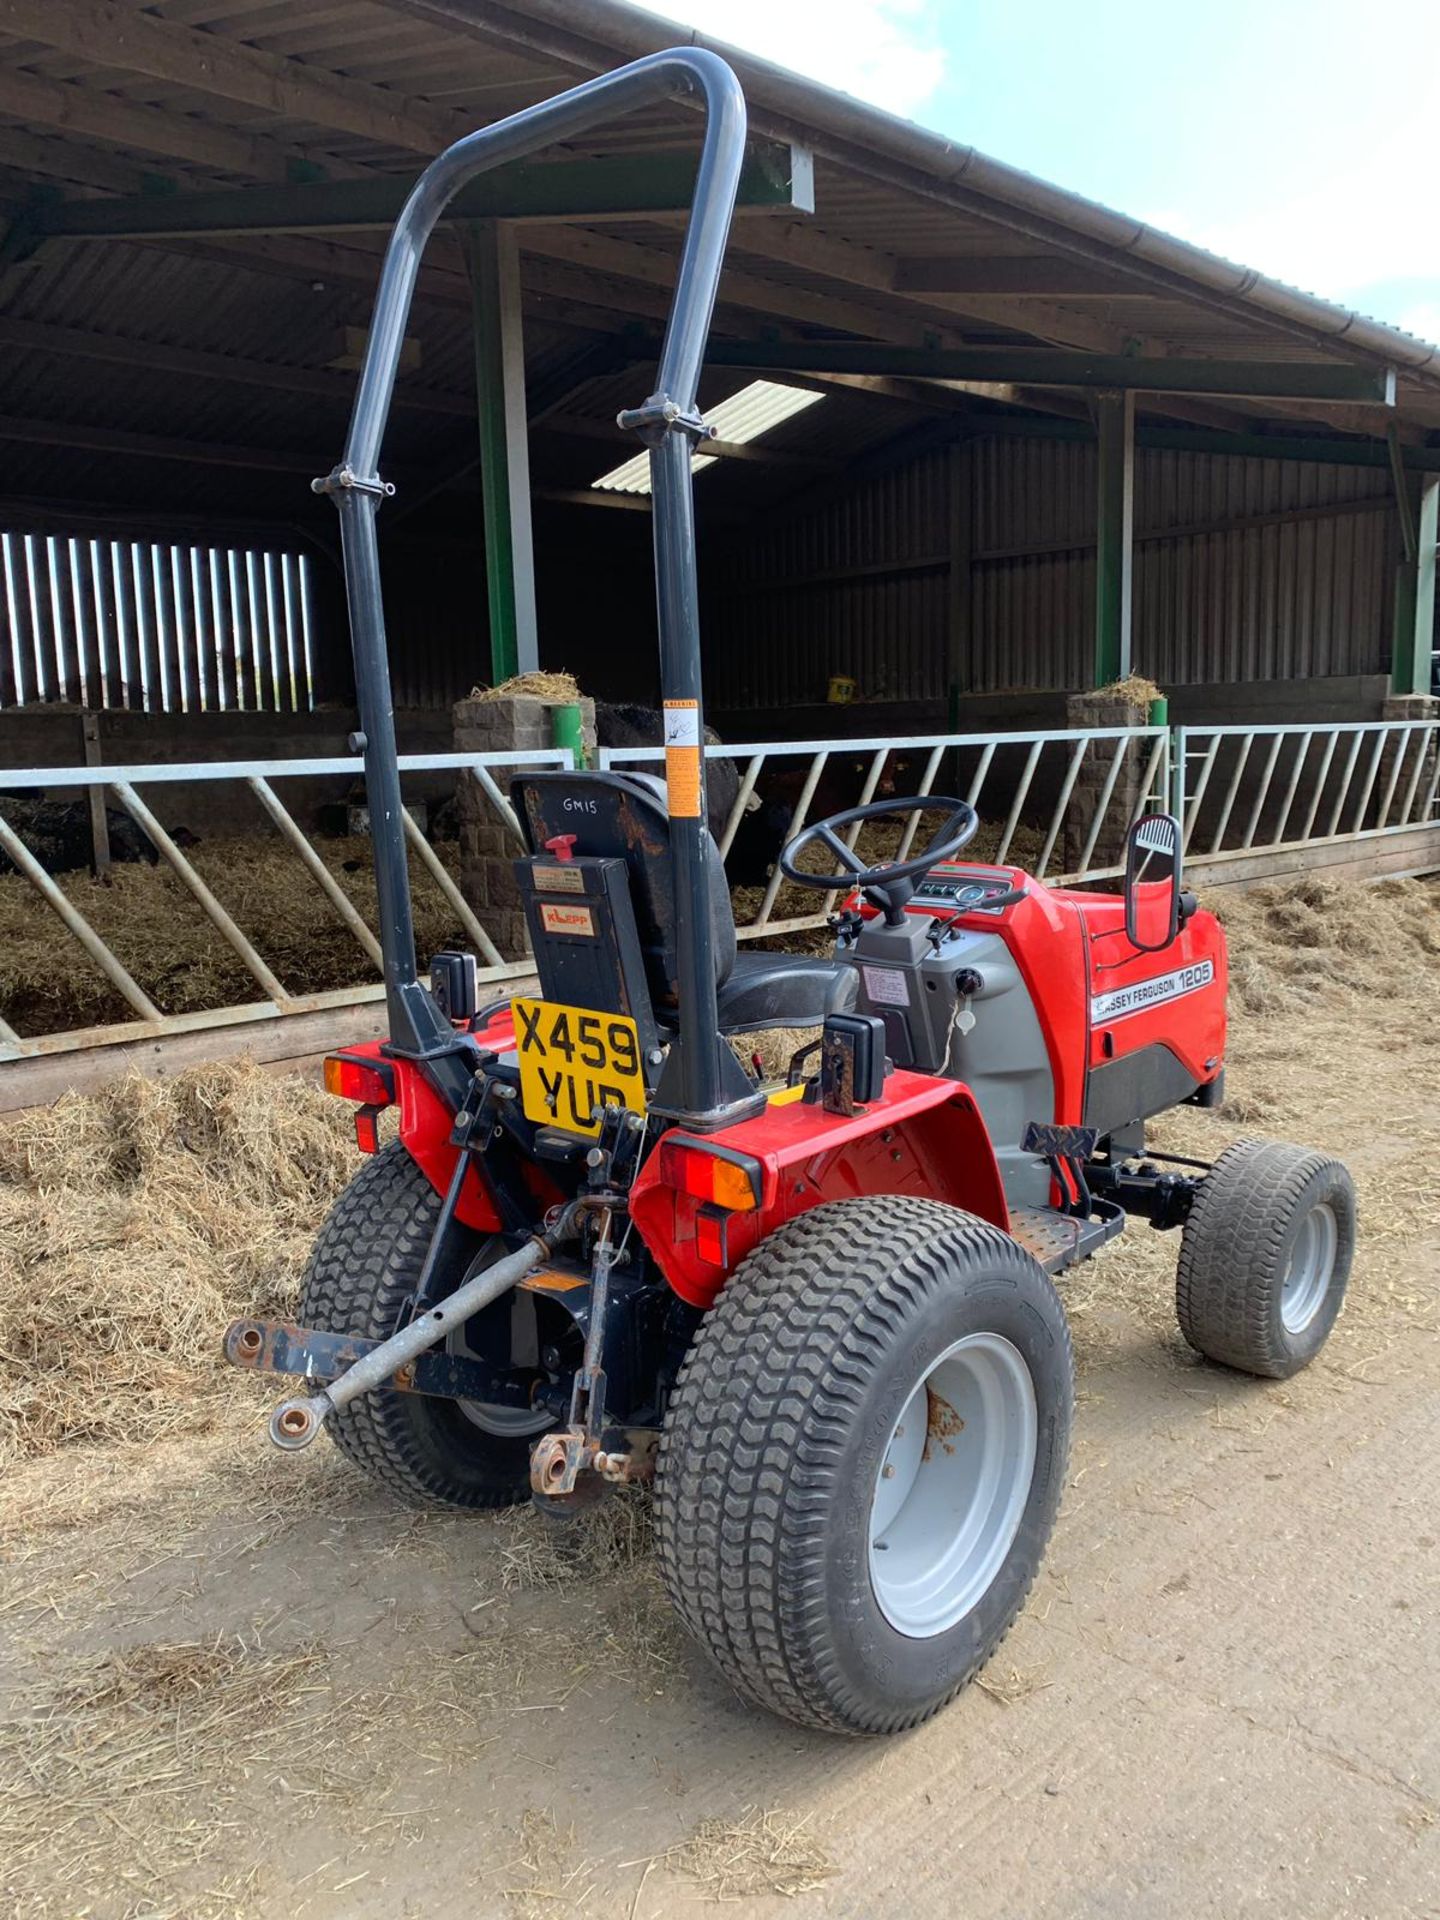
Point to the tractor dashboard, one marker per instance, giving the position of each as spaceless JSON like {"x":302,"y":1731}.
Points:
{"x":950,"y":889}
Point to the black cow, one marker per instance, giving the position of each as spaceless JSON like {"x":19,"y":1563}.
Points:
{"x":57,"y":832}
{"x":620,"y":725}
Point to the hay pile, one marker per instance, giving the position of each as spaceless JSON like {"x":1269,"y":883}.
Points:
{"x":561,"y":688}
{"x":134,"y":1224}
{"x":158,"y":932}
{"x":1135,"y":690}
{"x":1311,"y":942}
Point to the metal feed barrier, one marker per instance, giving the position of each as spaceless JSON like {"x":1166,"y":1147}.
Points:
{"x":1259,"y":789}
{"x":1057,"y":803}
{"x":259,"y":778}
{"x":1090,"y":781}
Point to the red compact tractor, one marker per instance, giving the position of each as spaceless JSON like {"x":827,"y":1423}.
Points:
{"x":821,"y":1316}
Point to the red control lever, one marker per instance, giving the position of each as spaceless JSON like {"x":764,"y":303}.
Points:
{"x":562,"y":845}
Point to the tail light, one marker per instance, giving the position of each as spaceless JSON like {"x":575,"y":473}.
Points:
{"x":367,"y":1082}
{"x":718,"y":1175}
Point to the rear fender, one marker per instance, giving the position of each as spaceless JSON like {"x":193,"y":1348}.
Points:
{"x":923,"y":1136}
{"x":426,"y":1123}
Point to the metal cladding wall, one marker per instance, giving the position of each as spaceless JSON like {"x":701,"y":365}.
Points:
{"x":1245,"y":569}
{"x":857,"y":587}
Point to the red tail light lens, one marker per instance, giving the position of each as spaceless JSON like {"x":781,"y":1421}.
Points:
{"x":719,"y":1175}
{"x":366,"y":1082}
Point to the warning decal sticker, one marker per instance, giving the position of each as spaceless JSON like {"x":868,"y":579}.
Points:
{"x":1141,"y":995}
{"x":683,"y":778}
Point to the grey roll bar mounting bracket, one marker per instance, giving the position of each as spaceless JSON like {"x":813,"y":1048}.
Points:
{"x":343,"y":479}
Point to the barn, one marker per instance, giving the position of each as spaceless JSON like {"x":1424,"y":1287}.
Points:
{"x":1078,"y":515}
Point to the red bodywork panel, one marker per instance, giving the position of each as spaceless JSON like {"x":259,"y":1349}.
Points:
{"x":924,"y":1136}
{"x":426,"y":1123}
{"x":1190,"y":1021}
{"x":1072,"y":951}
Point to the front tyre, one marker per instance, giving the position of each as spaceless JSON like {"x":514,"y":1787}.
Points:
{"x":1265,"y":1256}
{"x":863,"y":1459}
{"x":361,"y":1279}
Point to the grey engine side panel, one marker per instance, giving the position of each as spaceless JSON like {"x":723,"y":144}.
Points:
{"x":1002,"y":1059}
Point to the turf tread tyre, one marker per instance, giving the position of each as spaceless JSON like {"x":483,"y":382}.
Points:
{"x":359,"y":1279}
{"x":1235,"y":1247}
{"x":752,"y":1456}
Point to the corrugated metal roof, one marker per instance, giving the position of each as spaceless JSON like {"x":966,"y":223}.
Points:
{"x":377,"y":85}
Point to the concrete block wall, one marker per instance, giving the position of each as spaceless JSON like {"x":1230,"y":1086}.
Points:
{"x":487,"y":847}
{"x":1103,"y":709}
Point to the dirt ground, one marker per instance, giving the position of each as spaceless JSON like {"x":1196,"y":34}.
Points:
{"x":236,"y":1683}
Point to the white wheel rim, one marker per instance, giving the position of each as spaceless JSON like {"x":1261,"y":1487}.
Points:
{"x":953,"y":1484}
{"x":1309,"y":1269}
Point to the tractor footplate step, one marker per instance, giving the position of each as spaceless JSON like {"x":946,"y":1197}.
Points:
{"x":278,"y":1346}
{"x":1054,"y":1142}
{"x":1059,"y":1240}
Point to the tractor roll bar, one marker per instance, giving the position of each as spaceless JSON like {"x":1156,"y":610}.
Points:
{"x":669,"y":424}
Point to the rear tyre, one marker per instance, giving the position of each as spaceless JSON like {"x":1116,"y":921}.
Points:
{"x":1265,"y":1256}
{"x":360,"y":1279}
{"x":862,"y":1461}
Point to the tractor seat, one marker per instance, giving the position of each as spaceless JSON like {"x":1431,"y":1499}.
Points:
{"x":784,"y":990}
{"x":622,"y":816}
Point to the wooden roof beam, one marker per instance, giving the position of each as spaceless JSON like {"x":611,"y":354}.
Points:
{"x":61,"y":108}
{"x":211,"y":63}
{"x":1022,"y":276}
{"x":68,"y":160}
{"x":603,"y":253}
{"x":816,"y":251}
{"x":107,"y":349}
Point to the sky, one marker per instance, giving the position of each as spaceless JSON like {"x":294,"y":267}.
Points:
{"x":1295,"y":136}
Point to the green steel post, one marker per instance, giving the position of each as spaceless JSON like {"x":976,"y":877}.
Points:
{"x":493,"y":260}
{"x":958,"y":664}
{"x":1414,"y":631}
{"x":567,"y":732}
{"x":1114,"y":534}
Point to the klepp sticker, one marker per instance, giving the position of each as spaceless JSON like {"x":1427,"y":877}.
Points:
{"x":566,"y":919}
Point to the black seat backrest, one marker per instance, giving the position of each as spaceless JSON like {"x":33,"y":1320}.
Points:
{"x":622,"y":816}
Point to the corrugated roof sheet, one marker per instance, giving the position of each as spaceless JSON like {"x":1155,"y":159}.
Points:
{"x":421,"y":70}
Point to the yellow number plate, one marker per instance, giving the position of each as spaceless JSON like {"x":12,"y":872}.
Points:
{"x":572,"y":1061}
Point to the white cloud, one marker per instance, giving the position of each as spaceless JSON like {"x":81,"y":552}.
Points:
{"x":886,"y":52}
{"x":1363,"y":220}
{"x":1423,"y":320}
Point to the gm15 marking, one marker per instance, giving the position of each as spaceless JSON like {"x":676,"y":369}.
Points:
{"x":1141,"y":995}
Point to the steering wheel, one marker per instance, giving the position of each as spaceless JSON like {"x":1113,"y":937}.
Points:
{"x":888,"y":886}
